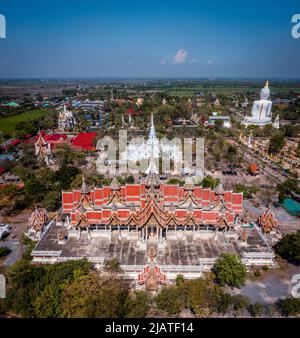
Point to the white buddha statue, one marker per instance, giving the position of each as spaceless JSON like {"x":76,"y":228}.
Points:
{"x":262,"y":109}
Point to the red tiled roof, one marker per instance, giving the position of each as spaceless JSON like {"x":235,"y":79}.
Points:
{"x":253,"y":167}
{"x":84,"y":141}
{"x":55,"y":137}
{"x":149,"y":206}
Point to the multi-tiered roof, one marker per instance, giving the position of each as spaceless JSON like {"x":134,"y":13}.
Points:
{"x":152,"y":203}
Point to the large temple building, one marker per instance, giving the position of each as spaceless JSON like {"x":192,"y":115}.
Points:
{"x":154,"y":229}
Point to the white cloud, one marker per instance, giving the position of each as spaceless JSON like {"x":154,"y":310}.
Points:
{"x":180,"y":56}
{"x":209,"y":62}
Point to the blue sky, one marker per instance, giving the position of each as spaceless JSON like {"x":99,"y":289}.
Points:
{"x":149,"y":38}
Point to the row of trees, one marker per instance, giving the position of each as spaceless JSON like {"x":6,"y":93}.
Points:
{"x":41,"y":184}
{"x":75,"y":289}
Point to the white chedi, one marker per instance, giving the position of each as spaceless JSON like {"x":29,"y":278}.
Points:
{"x":143,"y":150}
{"x":261,"y":114}
{"x":66,"y":119}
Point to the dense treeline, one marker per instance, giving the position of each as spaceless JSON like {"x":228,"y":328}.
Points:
{"x":75,"y":289}
{"x":289,"y":248}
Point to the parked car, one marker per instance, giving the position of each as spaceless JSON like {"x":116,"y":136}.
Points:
{"x":5,"y":230}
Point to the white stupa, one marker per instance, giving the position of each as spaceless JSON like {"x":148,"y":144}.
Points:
{"x":261,"y":114}
{"x":66,"y":120}
{"x":152,"y":148}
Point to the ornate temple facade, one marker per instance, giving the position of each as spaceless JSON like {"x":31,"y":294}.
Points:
{"x":151,"y":208}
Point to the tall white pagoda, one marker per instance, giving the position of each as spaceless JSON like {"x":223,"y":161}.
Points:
{"x":66,"y":120}
{"x":261,"y":114}
{"x":152,"y":148}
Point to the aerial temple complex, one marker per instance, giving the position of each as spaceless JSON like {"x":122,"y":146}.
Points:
{"x":154,"y":229}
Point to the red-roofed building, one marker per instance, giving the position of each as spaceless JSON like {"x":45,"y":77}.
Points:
{"x":151,"y":207}
{"x":55,"y":138}
{"x":253,"y":169}
{"x":84,"y":141}
{"x":10,"y":144}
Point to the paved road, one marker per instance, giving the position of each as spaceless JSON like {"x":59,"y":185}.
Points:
{"x":17,"y":249}
{"x":267,"y":290}
{"x":248,"y":155}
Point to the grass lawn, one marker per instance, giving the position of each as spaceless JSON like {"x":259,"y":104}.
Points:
{"x":7,"y":124}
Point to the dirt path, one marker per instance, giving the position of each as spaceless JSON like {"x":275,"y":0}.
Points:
{"x":271,"y":285}
{"x":19,"y":224}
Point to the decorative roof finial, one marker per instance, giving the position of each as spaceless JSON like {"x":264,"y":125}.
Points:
{"x":114,"y":185}
{"x":84,"y":187}
{"x":152,"y":134}
{"x":219,"y":190}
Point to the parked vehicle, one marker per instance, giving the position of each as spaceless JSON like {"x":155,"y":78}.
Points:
{"x":5,"y":230}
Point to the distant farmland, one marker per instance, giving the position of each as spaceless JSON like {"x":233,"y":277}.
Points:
{"x":7,"y":124}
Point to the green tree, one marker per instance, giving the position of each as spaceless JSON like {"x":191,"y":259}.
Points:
{"x":130,"y":179}
{"x":256,"y":309}
{"x":201,"y":297}
{"x":223,"y":301}
{"x":52,"y":200}
{"x":219,"y":125}
{"x":229,"y":269}
{"x":209,"y":182}
{"x":240,"y":303}
{"x":170,"y":299}
{"x":289,"y":306}
{"x":276,"y":143}
{"x":95,"y":296}
{"x":287,"y":188}
{"x":137,"y":304}
{"x":46,"y":305}
{"x":113,"y":265}
{"x":289,"y":248}
{"x":35,"y":290}
{"x":4,"y":251}
{"x":179,"y":279}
